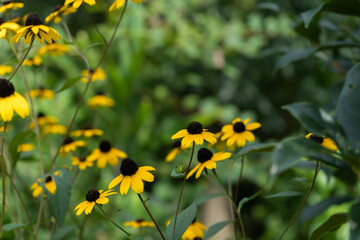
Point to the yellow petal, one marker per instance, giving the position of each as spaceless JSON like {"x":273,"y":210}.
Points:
{"x":125,"y":185}
{"x":180,"y":134}
{"x":116,"y":181}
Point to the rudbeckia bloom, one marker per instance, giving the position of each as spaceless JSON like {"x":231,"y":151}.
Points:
{"x":5,"y":69}
{"x":119,"y":3}
{"x":194,"y":133}
{"x":81,"y":162}
{"x":139,"y":223}
{"x":34,"y":28}
{"x":194,"y":231}
{"x":55,"y":129}
{"x":49,"y":184}
{"x":87,"y":132}
{"x":106,"y":153}
{"x":92,"y":197}
{"x":239,"y":132}
{"x":11,"y":101}
{"x":6,"y":27}
{"x":32,"y":61}
{"x":58,"y":12}
{"x":177,"y":147}
{"x":77,"y":3}
{"x":69,"y":145}
{"x":323,"y":141}
{"x":207,"y":160}
{"x":56,"y":49}
{"x":42,"y":93}
{"x":25,"y":147}
{"x":8,"y":4}
{"x":43,"y":120}
{"x":131,"y":175}
{"x":97,"y":74}
{"x":100,"y":100}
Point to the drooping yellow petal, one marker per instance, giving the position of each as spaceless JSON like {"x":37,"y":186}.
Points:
{"x":102,"y":200}
{"x":116,"y":181}
{"x":89,"y":208}
{"x":180,"y":134}
{"x":137,"y":184}
{"x":199,"y":171}
{"x":125,"y":185}
{"x":193,"y":170}
{"x":253,"y":126}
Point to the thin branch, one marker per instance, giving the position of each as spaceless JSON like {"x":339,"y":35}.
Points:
{"x":112,"y":221}
{"x":94,"y":24}
{"x":22,"y":60}
{"x":2,"y":162}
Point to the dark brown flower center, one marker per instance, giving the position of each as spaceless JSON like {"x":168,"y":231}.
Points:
{"x":67,"y":140}
{"x":140,"y":220}
{"x":204,"y":155}
{"x":2,"y":21}
{"x":87,"y":127}
{"x":92,"y":195}
{"x":195,"y":128}
{"x":48,"y":179}
{"x":105,"y":146}
{"x":128,"y":167}
{"x":82,"y":159}
{"x":316,"y":138}
{"x":40,"y":114}
{"x":33,"y":19}
{"x":56,"y":8}
{"x":239,"y":127}
{"x":6,"y":88}
{"x":176,"y":144}
{"x":99,"y":93}
{"x":6,"y":2}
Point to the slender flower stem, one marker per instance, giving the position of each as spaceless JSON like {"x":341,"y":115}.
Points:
{"x":240,"y":178}
{"x":42,"y":202}
{"x":22,"y":60}
{"x":182,"y":189}
{"x":152,"y":218}
{"x":2,"y":162}
{"x":94,"y":24}
{"x":112,"y":221}
{"x":317,"y":170}
{"x":233,"y":204}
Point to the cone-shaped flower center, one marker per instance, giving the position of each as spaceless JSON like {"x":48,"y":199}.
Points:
{"x":316,"y":138}
{"x":204,"y":155}
{"x":48,"y":179}
{"x":82,"y":159}
{"x":99,"y":93}
{"x":176,"y":144}
{"x":6,"y":88}
{"x":194,"y":128}
{"x":104,"y":146}
{"x":67,"y":140}
{"x":239,"y":127}
{"x":87,"y":127}
{"x":7,"y":2}
{"x":92,"y":195}
{"x":140,"y":220}
{"x":2,"y":21}
{"x":128,"y":167}
{"x":40,"y":114}
{"x":33,"y":19}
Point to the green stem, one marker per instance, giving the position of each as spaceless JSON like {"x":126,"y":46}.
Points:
{"x":112,"y":221}
{"x":94,"y":24}
{"x":239,"y":179}
{"x":22,"y":60}
{"x":2,"y":162}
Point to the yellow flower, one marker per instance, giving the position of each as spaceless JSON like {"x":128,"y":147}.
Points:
{"x":32,"y":61}
{"x":69,"y":145}
{"x":11,"y":101}
{"x":81,"y":162}
{"x":92,"y":197}
{"x":106,"y":153}
{"x":100,"y":100}
{"x":86,"y":132}
{"x":77,"y":3}
{"x":97,"y":74}
{"x":42,"y":93}
{"x":25,"y":147}
{"x":239,"y":132}
{"x":55,"y":129}
{"x":194,"y":231}
{"x":2,"y":128}
{"x":207,"y":160}
{"x":34,"y":28}
{"x":116,"y":5}
{"x":6,"y":27}
{"x":58,"y":12}
{"x":323,"y":141}
{"x":194,"y":133}
{"x":56,"y":49}
{"x":131,"y":175}
{"x":36,"y":188}
{"x":43,"y":120}
{"x":139,"y":223}
{"x":9,"y":5}
{"x":49,"y":185}
{"x":5,"y":69}
{"x":177,"y":147}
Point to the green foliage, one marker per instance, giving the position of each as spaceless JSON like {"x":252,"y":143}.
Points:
{"x":215,"y":229}
{"x":332,"y":224}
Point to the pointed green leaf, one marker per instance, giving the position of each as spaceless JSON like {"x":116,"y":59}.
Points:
{"x":215,"y":229}
{"x":332,"y":224}
{"x":12,"y":226}
{"x":293,"y":56}
{"x":69,"y":83}
{"x":354,"y":221}
{"x":285,"y":194}
{"x":310,"y":14}
{"x":254,"y":148}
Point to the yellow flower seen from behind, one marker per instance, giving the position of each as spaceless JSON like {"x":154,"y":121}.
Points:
{"x":139,"y":223}
{"x":100,"y":100}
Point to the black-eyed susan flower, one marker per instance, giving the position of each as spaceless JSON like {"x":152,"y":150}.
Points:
{"x":25,"y":147}
{"x":6,"y":27}
{"x":116,"y":5}
{"x":35,"y":61}
{"x":49,"y":183}
{"x":100,"y":100}
{"x":69,"y":145}
{"x":131,"y":175}
{"x":177,"y":147}
{"x":323,"y":141}
{"x":97,"y":74}
{"x":34,"y":28}
{"x":239,"y":132}
{"x":194,"y":231}
{"x":55,"y":129}
{"x":207,"y":160}
{"x":139,"y":223}
{"x":77,"y":3}
{"x":11,"y":101}
{"x":56,"y":49}
{"x":87,"y":132}
{"x":194,"y":133}
{"x":82,"y":162}
{"x":42,"y":93}
{"x":106,"y":153}
{"x":58,"y":12}
{"x":43,"y":120}
{"x":92,"y":197}
{"x":36,"y":188}
{"x":10,"y":5}
{"x":5,"y":69}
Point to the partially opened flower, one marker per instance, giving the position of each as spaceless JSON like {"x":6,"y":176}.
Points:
{"x":194,"y":133}
{"x":42,"y":93}
{"x":97,"y":74}
{"x":239,"y":132}
{"x":323,"y":141}
{"x":10,"y":5}
{"x":92,"y":197}
{"x":106,"y":153}
{"x":194,"y":231}
{"x":207,"y":160}
{"x":5,"y":69}
{"x":77,"y":3}
{"x":87,"y":132}
{"x":56,"y":49}
{"x":177,"y":147}
{"x":131,"y":175}
{"x":82,"y":162}
{"x":58,"y":12}
{"x":35,"y":61}
{"x":25,"y":147}
{"x":34,"y":28}
{"x":139,"y":223}
{"x":69,"y":145}
{"x":11,"y":101}
{"x":7,"y":27}
{"x":100,"y":100}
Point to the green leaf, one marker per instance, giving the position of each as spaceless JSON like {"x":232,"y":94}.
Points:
{"x":12,"y":226}
{"x":310,"y":14}
{"x":184,"y":219}
{"x":248,"y":199}
{"x":285,"y":194}
{"x":15,"y":141}
{"x":293,"y":56}
{"x":354,"y":221}
{"x":254,"y":148}
{"x":268,"y":6}
{"x":204,"y":198}
{"x":93,"y":45}
{"x":63,"y":232}
{"x":59,"y":202}
{"x":215,"y":229}
{"x":333,"y":223}
{"x":69,"y":83}
{"x":348,"y":7}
